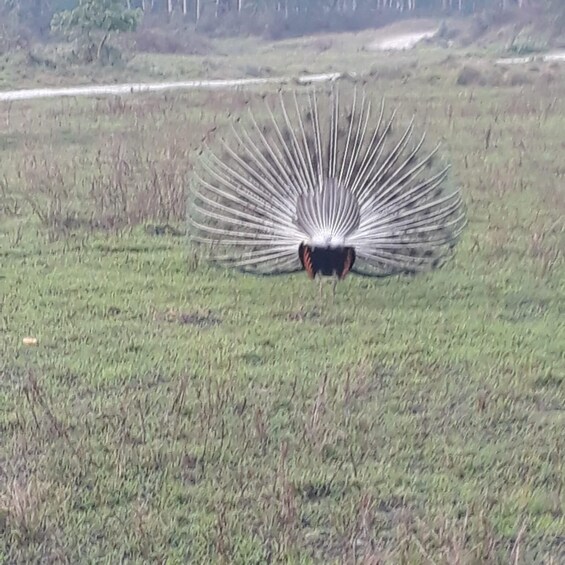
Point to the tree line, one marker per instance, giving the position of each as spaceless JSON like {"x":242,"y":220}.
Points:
{"x":195,"y":8}
{"x":37,"y":14}
{"x":93,"y":22}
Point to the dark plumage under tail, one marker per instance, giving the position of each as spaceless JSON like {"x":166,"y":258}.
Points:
{"x":315,"y":186}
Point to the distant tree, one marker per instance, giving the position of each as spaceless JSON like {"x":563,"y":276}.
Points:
{"x":557,"y":8}
{"x":33,"y":16}
{"x":92,"y":23}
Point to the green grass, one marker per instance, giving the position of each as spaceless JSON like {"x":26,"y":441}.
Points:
{"x":170,"y":411}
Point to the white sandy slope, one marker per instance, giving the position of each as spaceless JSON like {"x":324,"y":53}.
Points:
{"x":402,"y":41}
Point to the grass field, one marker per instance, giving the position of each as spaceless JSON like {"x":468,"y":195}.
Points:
{"x":226,"y":58}
{"x":173,"y":412}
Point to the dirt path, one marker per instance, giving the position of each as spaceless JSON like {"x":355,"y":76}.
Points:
{"x":135,"y":88}
{"x":554,"y":56}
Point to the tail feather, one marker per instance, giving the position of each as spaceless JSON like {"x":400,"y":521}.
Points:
{"x":311,"y":173}
{"x":328,"y":215}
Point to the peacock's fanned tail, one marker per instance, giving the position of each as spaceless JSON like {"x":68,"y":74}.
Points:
{"x":312,"y":173}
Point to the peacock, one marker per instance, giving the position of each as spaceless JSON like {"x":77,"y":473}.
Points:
{"x":323,"y":182}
